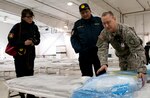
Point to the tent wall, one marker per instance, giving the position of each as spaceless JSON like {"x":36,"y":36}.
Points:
{"x":141,"y":23}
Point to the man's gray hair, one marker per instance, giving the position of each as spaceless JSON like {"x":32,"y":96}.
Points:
{"x":107,"y":13}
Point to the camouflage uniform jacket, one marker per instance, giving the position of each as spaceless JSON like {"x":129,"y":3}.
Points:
{"x":124,"y":41}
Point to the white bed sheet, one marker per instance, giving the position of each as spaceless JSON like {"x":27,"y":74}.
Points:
{"x":45,"y":85}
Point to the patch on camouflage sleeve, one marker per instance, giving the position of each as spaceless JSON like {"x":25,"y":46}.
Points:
{"x":101,"y":36}
{"x":11,"y":35}
{"x":131,"y":41}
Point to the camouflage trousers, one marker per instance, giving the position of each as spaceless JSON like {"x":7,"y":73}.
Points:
{"x":133,"y":62}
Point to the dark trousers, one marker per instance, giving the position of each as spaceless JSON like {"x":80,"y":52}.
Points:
{"x":86,"y":60}
{"x":147,"y":47}
{"x":24,"y":66}
{"x":147,"y":59}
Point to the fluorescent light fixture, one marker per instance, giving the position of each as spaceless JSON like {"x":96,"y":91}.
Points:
{"x":69,"y":3}
{"x":66,"y":27}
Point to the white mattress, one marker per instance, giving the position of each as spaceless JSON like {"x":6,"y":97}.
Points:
{"x":56,"y":86}
{"x":45,"y":85}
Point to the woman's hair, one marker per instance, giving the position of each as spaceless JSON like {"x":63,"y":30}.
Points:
{"x":26,"y":12}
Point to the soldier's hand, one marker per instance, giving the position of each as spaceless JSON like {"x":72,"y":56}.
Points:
{"x":28,"y":42}
{"x":143,"y":78}
{"x":103,"y":67}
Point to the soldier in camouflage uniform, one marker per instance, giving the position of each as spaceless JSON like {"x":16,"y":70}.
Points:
{"x":128,"y":46}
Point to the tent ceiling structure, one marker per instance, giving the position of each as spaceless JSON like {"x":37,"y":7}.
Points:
{"x":125,"y":6}
{"x":57,"y":13}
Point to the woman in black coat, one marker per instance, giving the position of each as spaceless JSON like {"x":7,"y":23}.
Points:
{"x":24,"y":36}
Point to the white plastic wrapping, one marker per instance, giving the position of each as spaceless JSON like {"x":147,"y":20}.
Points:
{"x":116,"y":85}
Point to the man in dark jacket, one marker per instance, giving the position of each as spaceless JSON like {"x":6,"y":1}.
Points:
{"x":84,"y":37}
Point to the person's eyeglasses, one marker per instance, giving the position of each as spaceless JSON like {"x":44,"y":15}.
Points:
{"x":29,"y":16}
